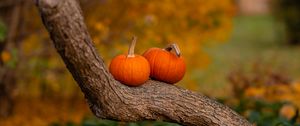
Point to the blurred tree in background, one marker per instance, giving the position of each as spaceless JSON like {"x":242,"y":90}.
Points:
{"x":12,"y":30}
{"x":288,"y":11}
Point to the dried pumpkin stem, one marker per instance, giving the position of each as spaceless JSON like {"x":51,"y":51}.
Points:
{"x":131,"y":47}
{"x":175,"y":47}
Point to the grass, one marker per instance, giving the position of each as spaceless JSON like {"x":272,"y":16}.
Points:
{"x":254,"y":39}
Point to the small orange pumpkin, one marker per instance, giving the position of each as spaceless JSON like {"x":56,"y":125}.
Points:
{"x":131,"y":69}
{"x":166,"y":66}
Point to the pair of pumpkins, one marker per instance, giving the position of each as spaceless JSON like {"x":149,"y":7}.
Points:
{"x":159,"y":64}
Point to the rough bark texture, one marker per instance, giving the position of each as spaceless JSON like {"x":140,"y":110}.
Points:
{"x":108,"y":99}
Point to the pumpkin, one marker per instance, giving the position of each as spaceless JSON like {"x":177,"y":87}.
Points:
{"x":130,"y":69}
{"x":166,"y":66}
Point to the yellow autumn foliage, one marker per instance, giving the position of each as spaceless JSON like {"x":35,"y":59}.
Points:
{"x":112,"y":23}
{"x":257,"y":92}
{"x":276,"y":93}
{"x":157,"y":23}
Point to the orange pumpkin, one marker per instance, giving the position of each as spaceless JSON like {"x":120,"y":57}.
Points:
{"x":131,"y":69}
{"x":166,"y":66}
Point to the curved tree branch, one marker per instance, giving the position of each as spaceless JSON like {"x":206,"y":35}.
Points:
{"x":108,"y":99}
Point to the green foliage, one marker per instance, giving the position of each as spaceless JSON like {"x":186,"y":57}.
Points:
{"x":264,"y":113}
{"x":59,"y":124}
{"x":92,"y":121}
{"x":96,"y":122}
{"x":2,"y":31}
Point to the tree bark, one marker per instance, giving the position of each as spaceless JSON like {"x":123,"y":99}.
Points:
{"x":107,"y":98}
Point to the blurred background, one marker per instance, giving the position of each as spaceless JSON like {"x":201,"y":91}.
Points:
{"x":244,"y":53}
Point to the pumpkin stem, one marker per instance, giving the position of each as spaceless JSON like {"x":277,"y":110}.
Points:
{"x":175,"y":47}
{"x":131,"y":47}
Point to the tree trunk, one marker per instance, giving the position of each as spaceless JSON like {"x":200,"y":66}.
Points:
{"x":107,"y":98}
